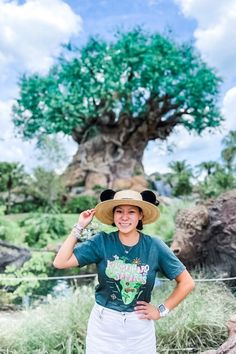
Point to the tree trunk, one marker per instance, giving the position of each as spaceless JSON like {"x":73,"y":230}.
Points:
{"x":110,"y":159}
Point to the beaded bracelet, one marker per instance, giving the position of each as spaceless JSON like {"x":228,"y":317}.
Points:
{"x":77,"y":228}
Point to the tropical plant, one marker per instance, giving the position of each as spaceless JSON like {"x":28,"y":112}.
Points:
{"x":180,"y":177}
{"x":11,"y":175}
{"x":40,"y":265}
{"x":46,"y":189}
{"x":80,"y":203}
{"x":40,"y":229}
{"x":207,"y":167}
{"x":113,"y":98}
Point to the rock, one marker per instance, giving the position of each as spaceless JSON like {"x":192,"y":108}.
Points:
{"x":228,"y":347}
{"x":137,"y":183}
{"x":96,"y":179}
{"x":205,"y":236}
{"x":12,"y":255}
{"x":231,"y":326}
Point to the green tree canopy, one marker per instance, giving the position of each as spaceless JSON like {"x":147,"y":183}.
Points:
{"x":125,"y":92}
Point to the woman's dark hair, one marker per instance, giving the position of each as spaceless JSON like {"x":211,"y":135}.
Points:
{"x":140,"y":223}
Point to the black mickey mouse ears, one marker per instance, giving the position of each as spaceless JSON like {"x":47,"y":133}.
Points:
{"x":145,"y":200}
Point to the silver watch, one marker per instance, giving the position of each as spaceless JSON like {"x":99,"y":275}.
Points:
{"x":163,"y":310}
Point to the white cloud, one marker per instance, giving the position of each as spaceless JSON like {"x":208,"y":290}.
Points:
{"x":229,"y":109}
{"x":215,"y":34}
{"x":13,"y":149}
{"x":31,"y":33}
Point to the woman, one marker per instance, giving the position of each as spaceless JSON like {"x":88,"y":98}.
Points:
{"x":122,"y":319}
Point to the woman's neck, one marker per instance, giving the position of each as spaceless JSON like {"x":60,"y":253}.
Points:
{"x":129,"y":239}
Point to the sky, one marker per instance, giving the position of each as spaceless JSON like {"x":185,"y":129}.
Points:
{"x":31,"y":34}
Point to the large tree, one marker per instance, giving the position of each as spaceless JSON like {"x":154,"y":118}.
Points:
{"x":113,"y":98}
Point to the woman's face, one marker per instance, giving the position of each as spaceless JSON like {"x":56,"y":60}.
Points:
{"x":126,"y":217}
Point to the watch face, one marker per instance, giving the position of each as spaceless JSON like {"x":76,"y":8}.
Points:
{"x":162,"y":308}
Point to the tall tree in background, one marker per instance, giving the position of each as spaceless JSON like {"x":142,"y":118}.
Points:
{"x":113,"y":98}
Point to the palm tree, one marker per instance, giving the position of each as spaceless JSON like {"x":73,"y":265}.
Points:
{"x":210,"y":167}
{"x":180,"y":177}
{"x":180,"y":167}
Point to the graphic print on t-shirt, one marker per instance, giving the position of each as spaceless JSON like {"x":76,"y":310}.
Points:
{"x":129,"y":276}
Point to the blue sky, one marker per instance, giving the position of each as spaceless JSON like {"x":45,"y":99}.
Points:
{"x":31,"y":33}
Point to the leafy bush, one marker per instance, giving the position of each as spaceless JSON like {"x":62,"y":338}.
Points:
{"x":216,"y":184}
{"x":81,"y":203}
{"x":10,"y":231}
{"x":40,"y":264}
{"x":27,"y":206}
{"x":42,"y":228}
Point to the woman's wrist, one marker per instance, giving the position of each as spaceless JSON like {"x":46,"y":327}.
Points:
{"x":77,"y":230}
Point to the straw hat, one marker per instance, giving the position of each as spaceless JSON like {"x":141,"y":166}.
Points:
{"x":145,"y":200}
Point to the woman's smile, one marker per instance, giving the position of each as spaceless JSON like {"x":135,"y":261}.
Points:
{"x":126,"y":217}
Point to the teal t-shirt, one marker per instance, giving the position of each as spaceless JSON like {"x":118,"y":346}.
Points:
{"x":127,"y":274}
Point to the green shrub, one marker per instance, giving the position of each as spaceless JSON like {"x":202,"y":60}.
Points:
{"x":28,"y":206}
{"x":39,"y":265}
{"x":42,"y":228}
{"x":81,"y":203}
{"x":10,"y":231}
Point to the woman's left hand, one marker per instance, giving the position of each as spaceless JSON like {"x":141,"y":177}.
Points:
{"x":147,"y":311}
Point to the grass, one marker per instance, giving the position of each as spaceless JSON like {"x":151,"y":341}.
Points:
{"x":60,"y":326}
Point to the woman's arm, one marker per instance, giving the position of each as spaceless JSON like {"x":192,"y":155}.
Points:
{"x":185,"y":284}
{"x":65,"y":257}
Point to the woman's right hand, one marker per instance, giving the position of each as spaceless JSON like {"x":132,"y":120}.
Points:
{"x":86,"y":217}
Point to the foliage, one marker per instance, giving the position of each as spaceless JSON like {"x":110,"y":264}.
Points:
{"x":46,"y":189}
{"x":179,"y":178}
{"x":198,"y":322}
{"x":207,"y":167}
{"x":26,"y":206}
{"x":216,"y":184}
{"x":40,"y":265}
{"x":10,"y":231}
{"x":91,"y":88}
{"x":58,"y":327}
{"x":81,"y":203}
{"x":43,"y":228}
{"x":11,"y":175}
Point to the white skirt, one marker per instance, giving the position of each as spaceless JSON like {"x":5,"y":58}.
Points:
{"x":114,"y":332}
